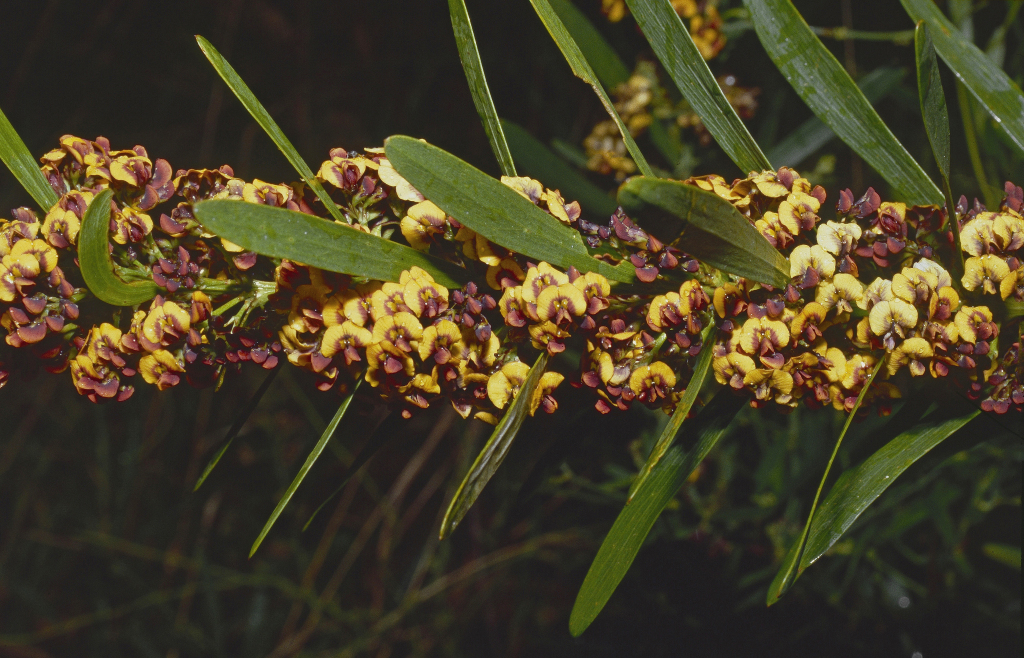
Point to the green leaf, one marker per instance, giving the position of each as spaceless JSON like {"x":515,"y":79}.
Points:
{"x":283,"y":233}
{"x":788,"y":573}
{"x":936,"y":120}
{"x":494,"y":451}
{"x":861,"y":486}
{"x":539,"y":162}
{"x":813,"y":134}
{"x":674,"y":47}
{"x":701,"y":370}
{"x":493,"y":209}
{"x":582,"y":70}
{"x":832,"y":95}
{"x":263,"y":118}
{"x":1008,"y":555}
{"x":474,"y":69}
{"x":308,"y":464}
{"x":19,"y":160}
{"x":236,"y":426}
{"x":996,"y":92}
{"x":706,"y":226}
{"x":94,"y":259}
{"x":608,"y":66}
{"x":623,"y":541}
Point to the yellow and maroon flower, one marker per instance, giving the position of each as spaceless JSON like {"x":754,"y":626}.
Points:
{"x":391,"y":177}
{"x":530,"y":189}
{"x":424,"y":296}
{"x":504,"y":384}
{"x":770,"y":225}
{"x":384,"y":360}
{"x":346,"y":338}
{"x":892,"y":319}
{"x":281,"y":196}
{"x":505,"y":274}
{"x":652,"y":382}
{"x":880,"y":290}
{"x":1013,"y":284}
{"x":560,"y":303}
{"x":513,"y":308}
{"x":422,"y":223}
{"x":543,"y":397}
{"x":161,"y":368}
{"x":987,"y":271}
{"x":403,"y":330}
{"x":764,"y":337}
{"x":770,"y":384}
{"x":164,"y":325}
{"x":913,"y":352}
{"x":442,"y":342}
{"x":548,"y":336}
{"x":540,"y":277}
{"x":476,"y":354}
{"x":974,"y":323}
{"x":417,"y":392}
{"x":841,"y":293}
{"x":809,"y":265}
{"x":914,"y":286}
{"x":388,"y":300}
{"x":596,"y":289}
{"x":128,"y":224}
{"x":809,"y":323}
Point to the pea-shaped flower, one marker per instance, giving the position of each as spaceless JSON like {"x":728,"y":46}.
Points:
{"x":764,"y":337}
{"x":891,"y":319}
{"x":346,"y":339}
{"x":503,"y":385}
{"x":652,"y":382}
{"x":560,"y":303}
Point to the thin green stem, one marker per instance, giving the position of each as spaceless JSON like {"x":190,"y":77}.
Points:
{"x":899,"y":37}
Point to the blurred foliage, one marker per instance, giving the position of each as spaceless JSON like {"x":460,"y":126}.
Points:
{"x":104,"y":548}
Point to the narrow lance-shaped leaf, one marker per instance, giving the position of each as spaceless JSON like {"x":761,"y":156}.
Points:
{"x":812,"y":134}
{"x":608,"y":66}
{"x":310,"y":240}
{"x":623,"y":541}
{"x":831,"y":94}
{"x":493,"y":209}
{"x":706,"y":226}
{"x":95,"y":263}
{"x":936,"y":121}
{"x":494,"y":451}
{"x":675,"y":49}
{"x":540,"y":162}
{"x":301,"y":475}
{"x":861,"y":486}
{"x":474,"y":68}
{"x":265,"y":121}
{"x":582,"y":70}
{"x":701,"y":370}
{"x":788,"y":573}
{"x":19,"y":160}
{"x":996,"y":92}
{"x":236,"y":426}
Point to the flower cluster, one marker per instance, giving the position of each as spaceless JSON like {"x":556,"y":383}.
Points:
{"x":700,"y":15}
{"x":868,"y":292}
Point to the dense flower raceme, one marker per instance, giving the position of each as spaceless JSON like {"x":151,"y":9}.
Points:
{"x":866,"y":287}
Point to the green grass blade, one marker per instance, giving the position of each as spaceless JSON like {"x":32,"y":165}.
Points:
{"x":19,"y":160}
{"x":474,"y":69}
{"x":861,"y":486}
{"x":493,"y":209}
{"x":674,"y":47}
{"x":494,"y":451}
{"x":582,"y":70}
{"x":996,"y":92}
{"x":706,"y":226}
{"x":263,"y":118}
{"x":96,"y":265}
{"x":623,"y":541}
{"x":608,"y":66}
{"x":700,"y":375}
{"x":831,"y":94}
{"x":936,"y":120}
{"x":813,"y":133}
{"x":787,"y":575}
{"x":283,"y":233}
{"x":308,"y":464}
{"x":540,"y":162}
{"x":236,"y":427}
{"x":1003,"y":553}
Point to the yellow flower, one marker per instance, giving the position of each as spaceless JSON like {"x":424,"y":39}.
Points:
{"x":1008,"y":230}
{"x":838,"y":238}
{"x":913,"y":285}
{"x":764,"y":337}
{"x":402,"y":330}
{"x":475,"y":354}
{"x":403,"y":189}
{"x":513,"y":308}
{"x":652,"y":382}
{"x":560,"y":303}
{"x":893,"y":317}
{"x":345,"y":338}
{"x":943,"y":303}
{"x":987,"y":271}
{"x":503,"y":385}
{"x":425,"y":297}
{"x":165,"y":323}
{"x":665,"y":312}
{"x":161,"y":368}
{"x":768,"y":184}
{"x":841,"y":293}
{"x":912,"y":352}
{"x":811,"y":264}
{"x":441,"y":341}
{"x":732,"y":368}
{"x":807,"y":323}
{"x":773,"y":230}
{"x":267,"y":193}
{"x":388,"y":300}
{"x":799,"y":211}
{"x":976,"y":236}
{"x":858,"y":369}
{"x":542,"y":395}
{"x":596,"y":290}
{"x":770,"y":384}
{"x":1013,"y":284}
{"x":421,"y":223}
{"x":880,"y":290}
{"x":942,"y":277}
{"x":505,"y":274}
{"x":549,"y":336}
{"x":530,"y":189}
{"x":540,"y":277}
{"x":383,"y":359}
{"x":973,"y":323}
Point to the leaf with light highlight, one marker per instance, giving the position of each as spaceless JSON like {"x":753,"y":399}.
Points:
{"x":95,"y":263}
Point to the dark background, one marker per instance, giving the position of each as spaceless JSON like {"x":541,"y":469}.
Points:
{"x":105,"y":550}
